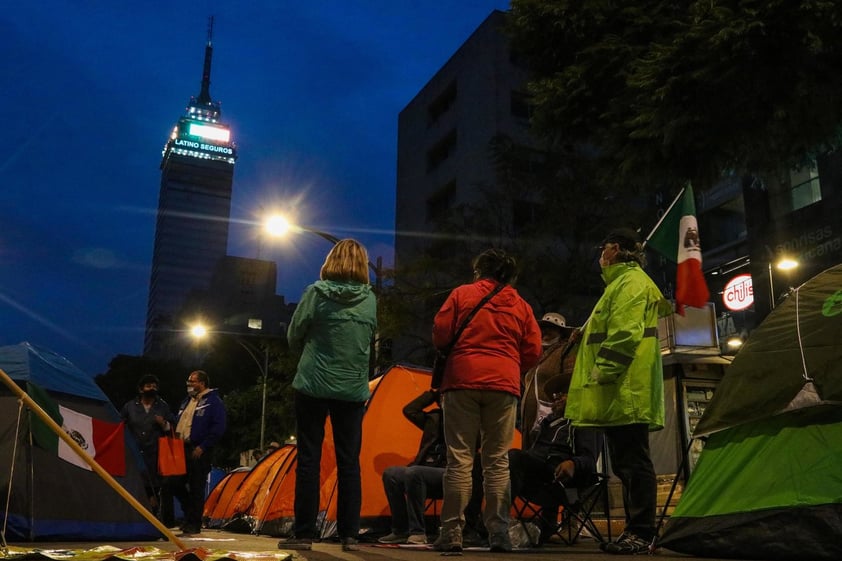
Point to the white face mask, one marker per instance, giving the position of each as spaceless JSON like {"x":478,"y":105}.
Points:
{"x":192,"y":391}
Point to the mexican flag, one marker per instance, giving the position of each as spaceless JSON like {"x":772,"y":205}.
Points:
{"x":676,"y":237}
{"x":101,"y":440}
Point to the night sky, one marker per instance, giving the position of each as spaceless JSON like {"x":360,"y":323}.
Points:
{"x":91,"y":91}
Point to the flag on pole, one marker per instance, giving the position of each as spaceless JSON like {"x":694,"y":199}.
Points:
{"x":676,"y":237}
{"x":103,"y":441}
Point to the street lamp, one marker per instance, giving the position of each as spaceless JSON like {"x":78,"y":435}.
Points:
{"x":783,"y":264}
{"x":199,"y":331}
{"x":278,"y":226}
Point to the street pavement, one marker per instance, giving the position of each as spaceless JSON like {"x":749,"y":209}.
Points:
{"x":217,"y":544}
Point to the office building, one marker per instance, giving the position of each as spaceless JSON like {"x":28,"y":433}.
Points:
{"x":194,"y":206}
{"x":444,"y":157}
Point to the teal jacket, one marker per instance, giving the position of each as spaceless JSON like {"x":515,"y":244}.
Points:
{"x":332,"y":327}
{"x":618,"y":376}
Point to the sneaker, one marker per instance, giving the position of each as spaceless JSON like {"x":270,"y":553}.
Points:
{"x":188,"y":531}
{"x":627,"y":544}
{"x":417,"y":539}
{"x":500,"y":542}
{"x":394,"y":537}
{"x":298,"y":544}
{"x":350,"y":544}
{"x":449,"y":540}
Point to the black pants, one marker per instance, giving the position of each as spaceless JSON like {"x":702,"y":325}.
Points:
{"x":628,"y":447}
{"x":346,"y":418}
{"x":190,"y":489}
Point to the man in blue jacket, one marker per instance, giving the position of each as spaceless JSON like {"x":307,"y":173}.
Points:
{"x":201,"y":423}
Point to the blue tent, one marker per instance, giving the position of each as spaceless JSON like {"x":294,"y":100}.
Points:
{"x":52,"y":499}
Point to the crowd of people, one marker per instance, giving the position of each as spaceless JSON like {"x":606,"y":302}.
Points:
{"x":602,"y":380}
{"x":568,"y":388}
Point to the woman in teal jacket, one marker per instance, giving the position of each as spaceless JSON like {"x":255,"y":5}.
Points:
{"x":332,"y":327}
{"x":618,"y":380}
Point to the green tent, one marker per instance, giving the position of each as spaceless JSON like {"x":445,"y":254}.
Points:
{"x":768,"y":484}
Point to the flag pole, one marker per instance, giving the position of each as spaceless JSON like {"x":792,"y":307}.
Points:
{"x":47,"y":420}
{"x":677,"y":197}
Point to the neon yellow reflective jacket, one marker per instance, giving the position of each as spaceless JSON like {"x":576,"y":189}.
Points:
{"x":618,"y":377}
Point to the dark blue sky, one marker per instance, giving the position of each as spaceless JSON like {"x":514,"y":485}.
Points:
{"x":91,"y":90}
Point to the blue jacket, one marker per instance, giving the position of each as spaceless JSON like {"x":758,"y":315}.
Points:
{"x":209,"y":420}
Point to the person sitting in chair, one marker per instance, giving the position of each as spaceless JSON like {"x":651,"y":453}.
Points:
{"x":557,"y":454}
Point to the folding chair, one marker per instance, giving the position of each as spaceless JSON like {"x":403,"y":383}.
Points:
{"x":540,"y":506}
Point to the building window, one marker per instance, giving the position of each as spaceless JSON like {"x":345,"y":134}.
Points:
{"x":441,"y":104}
{"x":441,"y":151}
{"x":723,"y":225}
{"x":440,"y":202}
{"x":798,"y":189}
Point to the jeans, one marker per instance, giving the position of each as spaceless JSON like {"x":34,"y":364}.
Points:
{"x":628,"y":448}
{"x":407,"y":490}
{"x":470,"y":417}
{"x":346,"y":418}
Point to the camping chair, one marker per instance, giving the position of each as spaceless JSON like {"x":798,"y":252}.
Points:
{"x":540,"y":506}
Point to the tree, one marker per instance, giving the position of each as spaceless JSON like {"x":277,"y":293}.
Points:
{"x":667,"y":92}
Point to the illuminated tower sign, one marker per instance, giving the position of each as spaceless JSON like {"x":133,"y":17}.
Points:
{"x":194,"y":207}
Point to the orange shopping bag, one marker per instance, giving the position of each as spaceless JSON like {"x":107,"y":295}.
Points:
{"x":171,"y":456}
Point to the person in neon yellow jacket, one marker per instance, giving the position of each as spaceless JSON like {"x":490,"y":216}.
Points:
{"x":618,"y":380}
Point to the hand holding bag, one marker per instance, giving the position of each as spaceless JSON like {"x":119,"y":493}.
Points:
{"x":440,"y":359}
{"x":171,"y":455}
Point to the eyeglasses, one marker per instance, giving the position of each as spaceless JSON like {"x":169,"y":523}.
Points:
{"x":189,"y":381}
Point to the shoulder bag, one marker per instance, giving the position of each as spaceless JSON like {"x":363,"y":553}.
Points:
{"x":441,"y":354}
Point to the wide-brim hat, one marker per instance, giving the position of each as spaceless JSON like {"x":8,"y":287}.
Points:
{"x":553,"y":319}
{"x":557,"y":384}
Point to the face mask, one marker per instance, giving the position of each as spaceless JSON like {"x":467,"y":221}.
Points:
{"x":150,"y":393}
{"x":192,"y":392}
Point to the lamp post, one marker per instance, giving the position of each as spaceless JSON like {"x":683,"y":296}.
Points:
{"x":199,"y":331}
{"x":278,"y":226}
{"x":783,"y":264}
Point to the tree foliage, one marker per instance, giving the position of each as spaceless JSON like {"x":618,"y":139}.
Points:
{"x":669,"y":92}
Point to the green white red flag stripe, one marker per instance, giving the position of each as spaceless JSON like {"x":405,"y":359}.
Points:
{"x":676,"y":237}
{"x":102,"y":440}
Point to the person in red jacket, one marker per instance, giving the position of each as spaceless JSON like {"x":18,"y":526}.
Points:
{"x":480,"y":390}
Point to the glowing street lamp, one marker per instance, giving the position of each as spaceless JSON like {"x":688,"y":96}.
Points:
{"x":198,"y":331}
{"x":277,"y":225}
{"x":783,"y":264}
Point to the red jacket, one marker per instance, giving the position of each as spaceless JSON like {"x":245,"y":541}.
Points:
{"x":501,"y":342}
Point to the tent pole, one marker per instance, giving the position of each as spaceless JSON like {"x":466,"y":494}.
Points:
{"x":684,"y":467}
{"x":47,"y":420}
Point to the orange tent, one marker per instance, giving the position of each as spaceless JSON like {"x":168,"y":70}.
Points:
{"x":239,"y":489}
{"x":221,"y":497}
